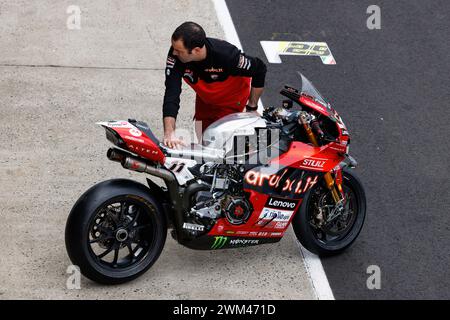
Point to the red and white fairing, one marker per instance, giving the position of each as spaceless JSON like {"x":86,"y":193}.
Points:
{"x":136,"y":140}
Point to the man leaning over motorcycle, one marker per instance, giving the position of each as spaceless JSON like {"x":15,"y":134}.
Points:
{"x":225,"y":79}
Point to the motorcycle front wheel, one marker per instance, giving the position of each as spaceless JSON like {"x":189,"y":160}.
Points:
{"x":322,"y":235}
{"x":115,"y":231}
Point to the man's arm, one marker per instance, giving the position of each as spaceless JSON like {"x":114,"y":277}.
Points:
{"x":171,"y":102}
{"x":255,"y":94}
{"x":170,"y":139}
{"x":247,"y":66}
{"x":169,"y":125}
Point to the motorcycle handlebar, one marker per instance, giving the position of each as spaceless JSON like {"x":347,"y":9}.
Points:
{"x":275,"y":113}
{"x":281,"y":113}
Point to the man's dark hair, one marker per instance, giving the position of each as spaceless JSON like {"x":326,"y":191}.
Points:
{"x":192,"y":35}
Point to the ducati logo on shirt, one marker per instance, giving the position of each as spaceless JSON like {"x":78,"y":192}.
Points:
{"x":212,"y":69}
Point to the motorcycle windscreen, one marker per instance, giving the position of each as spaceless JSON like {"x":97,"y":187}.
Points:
{"x":309,"y":89}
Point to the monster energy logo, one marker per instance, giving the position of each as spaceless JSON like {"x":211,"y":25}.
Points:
{"x":219,"y":242}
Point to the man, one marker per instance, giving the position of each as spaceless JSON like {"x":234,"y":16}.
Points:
{"x":225,"y":79}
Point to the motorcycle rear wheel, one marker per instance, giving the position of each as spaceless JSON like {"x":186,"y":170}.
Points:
{"x":329,"y":239}
{"x":115,"y":232}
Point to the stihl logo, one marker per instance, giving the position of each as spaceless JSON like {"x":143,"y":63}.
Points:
{"x":313,"y":163}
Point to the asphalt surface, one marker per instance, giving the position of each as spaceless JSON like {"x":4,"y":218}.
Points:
{"x":391,"y":87}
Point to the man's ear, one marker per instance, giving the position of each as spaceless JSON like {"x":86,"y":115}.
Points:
{"x":196,"y":50}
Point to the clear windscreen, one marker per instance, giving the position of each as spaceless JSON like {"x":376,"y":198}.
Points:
{"x":309,"y":89}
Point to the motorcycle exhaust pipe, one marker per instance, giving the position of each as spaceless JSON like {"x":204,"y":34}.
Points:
{"x":116,"y":155}
{"x":140,"y":166}
{"x":129,"y":162}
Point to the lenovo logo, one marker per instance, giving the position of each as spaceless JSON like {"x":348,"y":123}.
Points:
{"x":284,"y":204}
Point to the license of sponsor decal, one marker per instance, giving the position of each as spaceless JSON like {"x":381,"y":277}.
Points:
{"x":220,"y":242}
{"x":191,"y":226}
{"x":277,"y":210}
{"x":135,"y":132}
{"x":269,"y":214}
{"x":281,"y":203}
{"x":238,"y":242}
{"x":280,"y":225}
{"x":296,"y":185}
{"x":134,"y":139}
{"x":314,"y":163}
{"x":119,"y":124}
{"x":276,"y":234}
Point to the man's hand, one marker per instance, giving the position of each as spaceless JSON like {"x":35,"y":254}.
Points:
{"x":172,"y":141}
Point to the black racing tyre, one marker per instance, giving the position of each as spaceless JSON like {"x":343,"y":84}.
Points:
{"x":335,"y":237}
{"x":116,"y":231}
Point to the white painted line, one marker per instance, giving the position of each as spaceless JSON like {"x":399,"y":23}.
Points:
{"x":227,"y":23}
{"x":313,"y":264}
{"x":318,"y":277}
{"x":223,"y":14}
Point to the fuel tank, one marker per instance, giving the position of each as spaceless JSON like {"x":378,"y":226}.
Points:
{"x":224,"y":133}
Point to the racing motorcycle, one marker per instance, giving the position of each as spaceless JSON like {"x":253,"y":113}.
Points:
{"x":250,"y":178}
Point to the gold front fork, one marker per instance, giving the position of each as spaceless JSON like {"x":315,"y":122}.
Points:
{"x":328,"y":177}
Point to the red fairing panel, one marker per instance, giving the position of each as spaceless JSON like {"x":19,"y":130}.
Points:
{"x":306,"y":157}
{"x":343,"y":132}
{"x":137,"y":141}
{"x":272,"y":198}
{"x":314,"y":105}
{"x":261,"y":222}
{"x":329,"y":112}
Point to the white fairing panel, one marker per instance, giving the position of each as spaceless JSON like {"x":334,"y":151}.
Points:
{"x":179,"y":167}
{"x":220,"y":134}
